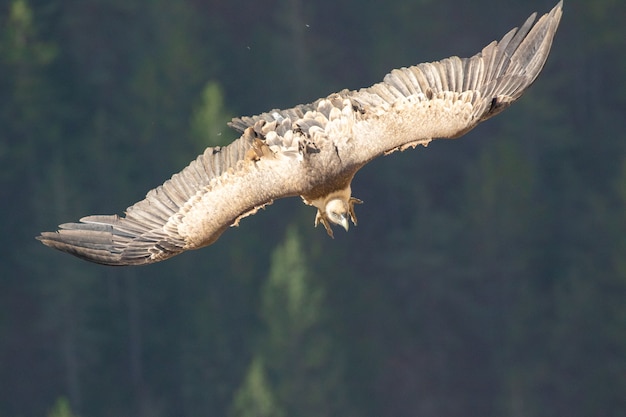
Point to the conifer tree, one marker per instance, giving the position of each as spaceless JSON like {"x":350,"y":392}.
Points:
{"x":296,"y":369}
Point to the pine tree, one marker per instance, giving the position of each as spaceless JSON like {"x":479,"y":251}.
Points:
{"x":295,"y":369}
{"x":209,"y":119}
{"x":61,"y":409}
{"x":256,"y":398}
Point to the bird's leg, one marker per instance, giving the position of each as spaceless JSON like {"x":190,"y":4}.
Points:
{"x":321,"y":218}
{"x":351,"y":204}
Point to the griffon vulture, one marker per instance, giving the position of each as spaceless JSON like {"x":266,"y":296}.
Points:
{"x":314,"y":150}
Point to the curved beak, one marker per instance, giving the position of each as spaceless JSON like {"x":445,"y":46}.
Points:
{"x":344,"y":222}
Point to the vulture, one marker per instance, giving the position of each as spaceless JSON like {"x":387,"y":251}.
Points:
{"x":313,"y":151}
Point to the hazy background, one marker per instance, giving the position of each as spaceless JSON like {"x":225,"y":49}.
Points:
{"x":487,"y":276}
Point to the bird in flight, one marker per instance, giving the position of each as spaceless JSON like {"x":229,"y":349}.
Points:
{"x":313,"y":151}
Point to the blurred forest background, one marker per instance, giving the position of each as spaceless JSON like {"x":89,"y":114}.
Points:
{"x":487,"y":276}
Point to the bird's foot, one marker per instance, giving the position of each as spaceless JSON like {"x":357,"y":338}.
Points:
{"x":353,"y":201}
{"x":321,"y":218}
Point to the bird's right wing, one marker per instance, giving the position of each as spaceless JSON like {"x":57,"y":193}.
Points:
{"x":191,"y":209}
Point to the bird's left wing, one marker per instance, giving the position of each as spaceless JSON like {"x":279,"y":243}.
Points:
{"x":443,"y":99}
{"x":446,"y":99}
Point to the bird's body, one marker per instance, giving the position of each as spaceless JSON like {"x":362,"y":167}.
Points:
{"x":314,"y":151}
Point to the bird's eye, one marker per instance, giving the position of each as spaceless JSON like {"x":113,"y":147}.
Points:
{"x":336,"y":216}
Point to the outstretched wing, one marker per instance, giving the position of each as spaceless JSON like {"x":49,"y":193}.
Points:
{"x":448,"y":98}
{"x":443,"y":99}
{"x":189,"y":211}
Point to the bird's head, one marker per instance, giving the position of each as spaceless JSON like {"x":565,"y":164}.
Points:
{"x":339,"y":211}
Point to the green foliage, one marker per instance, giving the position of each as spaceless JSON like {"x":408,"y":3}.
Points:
{"x":19,"y":42}
{"x":295,"y":368}
{"x":500,"y":178}
{"x":61,"y":409}
{"x":208,"y":122}
{"x":291,"y":303}
{"x":255,"y":397}
{"x":24,"y":59}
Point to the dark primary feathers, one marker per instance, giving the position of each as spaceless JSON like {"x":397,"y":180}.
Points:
{"x":314,"y":151}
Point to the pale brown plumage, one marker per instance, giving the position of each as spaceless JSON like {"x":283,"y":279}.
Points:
{"x":314,"y":151}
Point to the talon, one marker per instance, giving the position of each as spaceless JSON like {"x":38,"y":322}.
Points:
{"x":319,"y":218}
{"x":353,"y":201}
